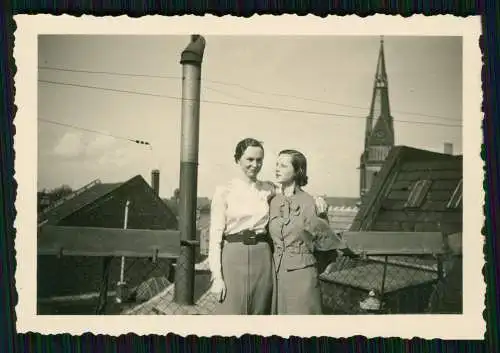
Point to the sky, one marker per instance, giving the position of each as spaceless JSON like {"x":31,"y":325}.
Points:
{"x":329,"y":75}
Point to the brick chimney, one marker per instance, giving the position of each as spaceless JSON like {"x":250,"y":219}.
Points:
{"x":448,"y":148}
{"x":155,"y":181}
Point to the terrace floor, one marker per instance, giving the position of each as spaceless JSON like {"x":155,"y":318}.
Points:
{"x":163,"y":303}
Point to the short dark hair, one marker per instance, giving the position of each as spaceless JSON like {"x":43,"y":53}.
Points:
{"x":242,"y":146}
{"x":299,"y":163}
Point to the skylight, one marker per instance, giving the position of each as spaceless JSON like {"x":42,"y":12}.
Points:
{"x":418,"y":194}
{"x":456,"y":198}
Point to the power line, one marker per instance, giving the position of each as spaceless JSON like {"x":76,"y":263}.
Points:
{"x":109,"y":73}
{"x":159,"y":161}
{"x":140,"y":142}
{"x":145,"y":76}
{"x":237,"y":85}
{"x":326,"y":102}
{"x":228,"y":94}
{"x":252,"y":106}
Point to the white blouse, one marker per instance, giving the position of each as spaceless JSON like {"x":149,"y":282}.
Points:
{"x":237,"y":206}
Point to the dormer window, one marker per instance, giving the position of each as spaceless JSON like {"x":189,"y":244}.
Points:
{"x":418,"y":194}
{"x":455,"y":200}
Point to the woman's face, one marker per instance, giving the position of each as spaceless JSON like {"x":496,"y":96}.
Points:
{"x":285,"y":173}
{"x":251,"y":161}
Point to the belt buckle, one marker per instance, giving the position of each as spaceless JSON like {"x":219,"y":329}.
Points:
{"x":250,"y":238}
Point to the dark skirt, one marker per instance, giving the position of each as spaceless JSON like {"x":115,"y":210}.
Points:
{"x":297,"y":292}
{"x":248,"y":275}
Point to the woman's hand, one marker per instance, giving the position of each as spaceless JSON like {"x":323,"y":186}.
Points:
{"x":218,"y":288}
{"x":330,"y":268}
{"x":349,"y":253}
{"x":321,"y":205}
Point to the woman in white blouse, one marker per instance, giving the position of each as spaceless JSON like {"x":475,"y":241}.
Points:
{"x":240,"y":254}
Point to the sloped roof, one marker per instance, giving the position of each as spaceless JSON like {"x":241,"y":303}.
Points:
{"x":85,"y":196}
{"x":75,"y":201}
{"x":385,"y":206}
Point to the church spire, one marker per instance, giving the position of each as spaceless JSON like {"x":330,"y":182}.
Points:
{"x":381,"y":74}
{"x":379,"y":131}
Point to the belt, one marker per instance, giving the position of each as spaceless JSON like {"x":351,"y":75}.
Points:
{"x":294,"y":248}
{"x":247,"y":237}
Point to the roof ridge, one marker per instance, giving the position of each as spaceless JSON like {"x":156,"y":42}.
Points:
{"x":70,"y":196}
{"x":80,"y":191}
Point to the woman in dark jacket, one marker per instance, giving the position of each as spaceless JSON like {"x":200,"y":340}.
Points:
{"x":297,"y":233}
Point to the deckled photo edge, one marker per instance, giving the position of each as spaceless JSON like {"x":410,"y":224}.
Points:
{"x":468,"y":325}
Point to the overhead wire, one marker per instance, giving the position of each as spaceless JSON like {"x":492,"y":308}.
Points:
{"x":137,"y":141}
{"x":112,"y":73}
{"x":149,"y":145}
{"x":251,"y":106}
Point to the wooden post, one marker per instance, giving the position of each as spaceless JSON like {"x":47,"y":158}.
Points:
{"x":103,"y":293}
{"x":122,"y":285}
{"x":191,"y":60}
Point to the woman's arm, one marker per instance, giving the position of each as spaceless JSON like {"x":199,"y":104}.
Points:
{"x":323,"y":237}
{"x":217,"y":227}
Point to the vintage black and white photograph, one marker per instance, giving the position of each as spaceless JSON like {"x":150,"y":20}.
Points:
{"x":276,"y":175}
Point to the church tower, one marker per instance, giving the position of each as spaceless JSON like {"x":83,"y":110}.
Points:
{"x":379,"y":134}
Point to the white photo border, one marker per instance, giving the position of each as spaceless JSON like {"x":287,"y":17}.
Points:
{"x":469,"y":325}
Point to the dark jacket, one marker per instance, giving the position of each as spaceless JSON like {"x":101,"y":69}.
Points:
{"x":297,"y":232}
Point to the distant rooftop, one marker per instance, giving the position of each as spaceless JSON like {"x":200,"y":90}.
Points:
{"x":76,"y":200}
{"x":341,"y":201}
{"x":93,"y":195}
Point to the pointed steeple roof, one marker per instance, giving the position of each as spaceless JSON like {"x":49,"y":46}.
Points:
{"x":381,"y":73}
{"x":380,"y":129}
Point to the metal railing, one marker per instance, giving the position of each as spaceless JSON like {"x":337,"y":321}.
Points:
{"x":390,"y":273}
